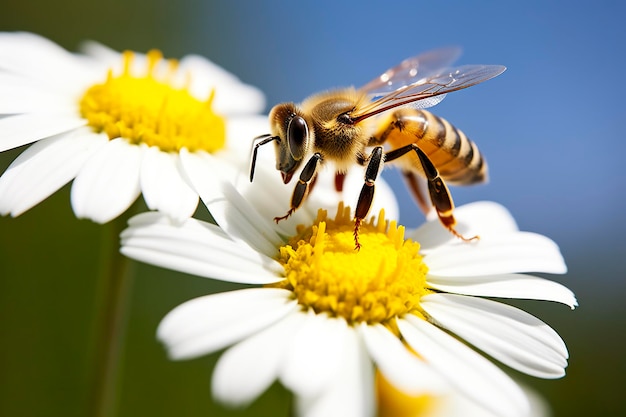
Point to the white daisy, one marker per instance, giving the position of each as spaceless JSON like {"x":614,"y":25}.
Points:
{"x":119,"y":125}
{"x":327,"y":315}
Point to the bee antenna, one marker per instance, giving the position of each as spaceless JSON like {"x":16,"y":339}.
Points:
{"x":264,"y":139}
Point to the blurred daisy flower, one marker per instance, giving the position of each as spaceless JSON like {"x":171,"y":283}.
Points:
{"x":324,"y":317}
{"x":119,"y":125}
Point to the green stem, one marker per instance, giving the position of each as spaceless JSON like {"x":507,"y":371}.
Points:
{"x":113,"y":296}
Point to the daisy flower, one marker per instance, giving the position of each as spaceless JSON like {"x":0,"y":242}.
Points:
{"x":119,"y":125}
{"x":321,"y":318}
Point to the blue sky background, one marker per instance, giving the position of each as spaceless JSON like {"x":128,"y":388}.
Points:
{"x":551,"y":128}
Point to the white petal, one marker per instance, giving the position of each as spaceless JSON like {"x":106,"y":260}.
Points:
{"x":207,"y":70}
{"x":351,"y":393}
{"x":108,"y":183}
{"x":102,"y":57}
{"x":270,"y":197}
{"x":403,"y":369}
{"x":501,"y":254}
{"x":45,"y":167}
{"x":314,"y":355}
{"x":247,"y":369}
{"x":240,"y":132}
{"x":21,"y":95}
{"x":27,"y":128}
{"x":232,"y":212}
{"x":456,"y":405}
{"x":469,"y":372}
{"x":24,"y":53}
{"x":519,"y":286}
{"x":508,"y":334}
{"x":483,"y":218}
{"x":163,"y":186}
{"x":231,"y":95}
{"x":102,"y":53}
{"x":197,"y":248}
{"x":239,"y":98}
{"x":206,"y":324}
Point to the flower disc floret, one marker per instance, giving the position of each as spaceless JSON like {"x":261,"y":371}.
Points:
{"x":382,"y":280}
{"x":149,"y":109}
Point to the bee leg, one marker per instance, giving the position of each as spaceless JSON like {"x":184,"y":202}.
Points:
{"x":312,"y":184}
{"x":439,"y":194}
{"x":301,"y":190}
{"x":416,"y":186}
{"x":367,"y":192}
{"x":340,"y":178}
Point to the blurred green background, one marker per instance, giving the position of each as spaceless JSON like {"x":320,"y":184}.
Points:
{"x":551,"y":128}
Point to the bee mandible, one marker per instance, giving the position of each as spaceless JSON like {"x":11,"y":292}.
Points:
{"x":350,"y":126}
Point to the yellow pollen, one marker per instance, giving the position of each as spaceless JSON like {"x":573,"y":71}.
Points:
{"x":384,"y":279}
{"x":149,"y":109}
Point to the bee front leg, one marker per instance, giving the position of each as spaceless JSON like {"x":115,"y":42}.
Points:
{"x":367,"y":192}
{"x":302,"y":187}
{"x":439,"y":194}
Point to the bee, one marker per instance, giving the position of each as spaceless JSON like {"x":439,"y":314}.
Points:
{"x":351,"y":126}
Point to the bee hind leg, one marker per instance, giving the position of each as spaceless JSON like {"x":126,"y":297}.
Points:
{"x":416,"y":185}
{"x":439,"y":194}
{"x":304,"y":185}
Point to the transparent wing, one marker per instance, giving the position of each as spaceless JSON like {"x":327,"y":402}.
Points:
{"x":411,"y":70}
{"x":429,"y":90}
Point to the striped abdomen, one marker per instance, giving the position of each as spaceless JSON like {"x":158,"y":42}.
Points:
{"x":456,"y":157}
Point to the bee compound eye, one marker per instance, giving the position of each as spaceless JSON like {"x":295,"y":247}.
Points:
{"x":297,"y":134}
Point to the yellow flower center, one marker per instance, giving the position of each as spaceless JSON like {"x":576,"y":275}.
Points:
{"x":149,"y":109}
{"x":384,"y":279}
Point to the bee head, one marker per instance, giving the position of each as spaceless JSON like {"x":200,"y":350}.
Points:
{"x":291,"y":130}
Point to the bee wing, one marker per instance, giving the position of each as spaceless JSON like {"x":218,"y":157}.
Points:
{"x":429,"y":90}
{"x":411,"y":70}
